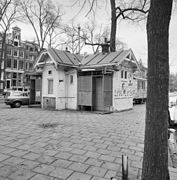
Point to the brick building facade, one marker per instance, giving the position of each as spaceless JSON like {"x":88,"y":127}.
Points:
{"x":17,"y":61}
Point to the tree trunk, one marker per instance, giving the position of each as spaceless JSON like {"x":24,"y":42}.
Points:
{"x":1,"y":57}
{"x":113,"y":26}
{"x":155,"y":161}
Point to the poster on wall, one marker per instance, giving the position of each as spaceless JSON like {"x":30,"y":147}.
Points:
{"x":125,"y":89}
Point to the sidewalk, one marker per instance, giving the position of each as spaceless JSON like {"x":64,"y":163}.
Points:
{"x":37,"y":144}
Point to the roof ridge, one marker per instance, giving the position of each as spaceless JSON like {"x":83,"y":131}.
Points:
{"x":92,"y":58}
{"x":116,"y":56}
{"x":56,"y":54}
{"x":103,"y":58}
{"x":68,"y":57}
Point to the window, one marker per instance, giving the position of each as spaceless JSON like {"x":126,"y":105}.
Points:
{"x":14,"y":75}
{"x":71,"y":79}
{"x":14,"y":82}
{"x":15,"y":64}
{"x":27,"y":56}
{"x":125,"y":75}
{"x":30,"y":66}
{"x":8,"y":75}
{"x":9,"y":63}
{"x":122,"y":74}
{"x":20,"y":65}
{"x":31,"y":49}
{"x":31,"y":58}
{"x":19,"y":82}
{"x":9,"y":52}
{"x":15,"y":53}
{"x":15,"y":43}
{"x":50,"y":72}
{"x":50,"y":86}
{"x":20,"y":76}
{"x":27,"y":66}
{"x":21,"y":54}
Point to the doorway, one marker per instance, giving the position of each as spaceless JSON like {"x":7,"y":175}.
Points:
{"x":98,"y":103}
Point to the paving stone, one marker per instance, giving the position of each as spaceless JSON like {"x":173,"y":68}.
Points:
{"x":90,"y":148}
{"x":78,"y":167}
{"x":111,"y":166}
{"x":43,"y":169}
{"x":92,"y":154}
{"x":110,"y":173}
{"x":7,"y":170}
{"x":41,"y":177}
{"x":19,"y":153}
{"x":13,"y":161}
{"x":27,"y":164}
{"x":50,"y":152}
{"x":22,"y":174}
{"x":96,"y":171}
{"x":46,"y":159}
{"x":31,"y":156}
{"x":7,"y":150}
{"x":61,"y":173}
{"x":3,"y":157}
{"x":78,"y":151}
{"x":63,"y":155}
{"x":107,"y":158}
{"x":98,"y":178}
{"x":94,"y":162}
{"x":79,"y":176}
{"x":61,"y":163}
{"x":78,"y":158}
{"x":77,"y":133}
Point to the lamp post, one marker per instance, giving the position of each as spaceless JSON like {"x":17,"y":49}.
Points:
{"x":79,"y":28}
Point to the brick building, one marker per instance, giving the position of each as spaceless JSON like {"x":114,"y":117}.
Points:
{"x":17,"y":61}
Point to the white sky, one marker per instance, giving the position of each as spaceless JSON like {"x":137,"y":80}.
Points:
{"x":134,"y":35}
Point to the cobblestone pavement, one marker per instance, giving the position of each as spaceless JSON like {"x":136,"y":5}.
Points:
{"x":37,"y":144}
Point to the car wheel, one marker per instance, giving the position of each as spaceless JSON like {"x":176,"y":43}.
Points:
{"x":17,"y":104}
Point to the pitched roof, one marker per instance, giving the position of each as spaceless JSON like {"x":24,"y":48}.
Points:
{"x":65,"y":57}
{"x":107,"y":58}
{"x":74,"y":60}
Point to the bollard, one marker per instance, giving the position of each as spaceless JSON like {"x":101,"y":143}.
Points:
{"x":124,"y":167}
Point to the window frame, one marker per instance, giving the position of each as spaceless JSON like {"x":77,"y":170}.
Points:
{"x":50,"y":86}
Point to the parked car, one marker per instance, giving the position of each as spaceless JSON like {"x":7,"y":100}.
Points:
{"x":16,"y":98}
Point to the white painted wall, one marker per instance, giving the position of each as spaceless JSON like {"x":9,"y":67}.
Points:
{"x":71,"y":90}
{"x":45,"y":77}
{"x":122,"y":94}
{"x":64,"y":91}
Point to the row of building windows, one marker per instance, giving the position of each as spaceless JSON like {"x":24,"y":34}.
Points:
{"x":18,"y":64}
{"x":17,"y":53}
{"x":14,"y":79}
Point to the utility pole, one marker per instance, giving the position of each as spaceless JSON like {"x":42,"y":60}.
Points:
{"x":79,"y":29}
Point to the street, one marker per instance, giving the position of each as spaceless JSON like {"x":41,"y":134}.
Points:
{"x":39,"y":144}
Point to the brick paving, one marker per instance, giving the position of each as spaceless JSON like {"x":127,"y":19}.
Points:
{"x":37,"y":144}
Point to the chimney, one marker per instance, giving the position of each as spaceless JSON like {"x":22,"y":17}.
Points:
{"x":105,"y":46}
{"x":67,"y":50}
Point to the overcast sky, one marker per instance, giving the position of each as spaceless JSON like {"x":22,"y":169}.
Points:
{"x":133,"y":34}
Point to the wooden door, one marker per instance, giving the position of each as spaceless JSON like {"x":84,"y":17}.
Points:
{"x":99,"y":105}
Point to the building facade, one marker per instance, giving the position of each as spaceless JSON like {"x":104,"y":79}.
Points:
{"x":17,"y":61}
{"x":99,"y":82}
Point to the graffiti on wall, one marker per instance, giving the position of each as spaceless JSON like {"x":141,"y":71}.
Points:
{"x":126,"y":89}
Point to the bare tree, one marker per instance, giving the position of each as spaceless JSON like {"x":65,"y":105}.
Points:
{"x":8,"y":18}
{"x":44,"y":16}
{"x":76,"y":37}
{"x":3,"y":7}
{"x":126,"y":9}
{"x":72,"y":38}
